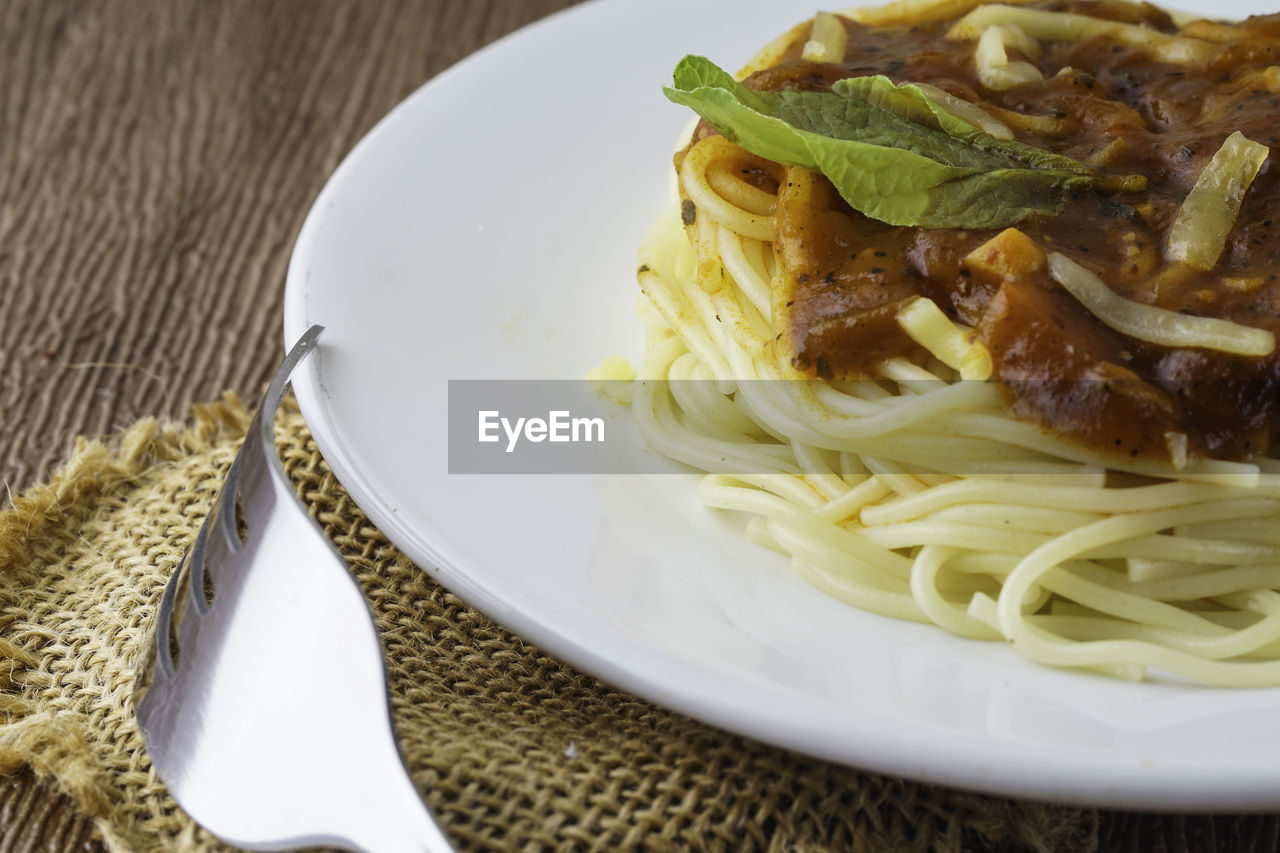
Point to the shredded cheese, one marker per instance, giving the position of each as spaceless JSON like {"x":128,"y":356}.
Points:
{"x":828,"y":40}
{"x":1156,"y":325}
{"x":912,"y":11}
{"x":1067,"y":26}
{"x":613,"y":378}
{"x":1176,"y":444}
{"x":925,"y":323}
{"x":1199,"y":232}
{"x":995,"y":69}
{"x":970,"y":112}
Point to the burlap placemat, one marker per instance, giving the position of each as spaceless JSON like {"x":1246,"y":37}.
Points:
{"x":513,"y":750}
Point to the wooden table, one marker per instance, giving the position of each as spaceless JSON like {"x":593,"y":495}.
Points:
{"x":156,"y":161}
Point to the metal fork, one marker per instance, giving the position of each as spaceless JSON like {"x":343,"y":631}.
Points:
{"x":271,"y":725}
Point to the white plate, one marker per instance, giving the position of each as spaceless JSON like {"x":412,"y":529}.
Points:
{"x":487,"y":229}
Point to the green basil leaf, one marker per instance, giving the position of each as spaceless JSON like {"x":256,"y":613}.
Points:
{"x":889,"y":151}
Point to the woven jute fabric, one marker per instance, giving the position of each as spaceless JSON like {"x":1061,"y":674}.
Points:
{"x":511,"y":748}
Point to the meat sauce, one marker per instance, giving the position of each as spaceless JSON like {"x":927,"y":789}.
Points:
{"x":1119,"y":110}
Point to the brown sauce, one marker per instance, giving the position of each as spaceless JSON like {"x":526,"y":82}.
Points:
{"x":1124,"y":113}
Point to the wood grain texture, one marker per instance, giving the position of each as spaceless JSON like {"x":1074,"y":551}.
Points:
{"x":157,"y":158}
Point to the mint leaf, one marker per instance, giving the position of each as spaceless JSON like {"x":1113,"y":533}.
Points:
{"x":890,"y":152}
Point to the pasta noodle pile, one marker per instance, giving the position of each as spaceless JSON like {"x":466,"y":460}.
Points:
{"x":917,"y":493}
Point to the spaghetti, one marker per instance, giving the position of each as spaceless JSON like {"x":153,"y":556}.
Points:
{"x":923,"y":463}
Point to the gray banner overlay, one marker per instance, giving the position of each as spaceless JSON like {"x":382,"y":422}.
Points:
{"x":544,"y":427}
{"x":587,"y":427}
